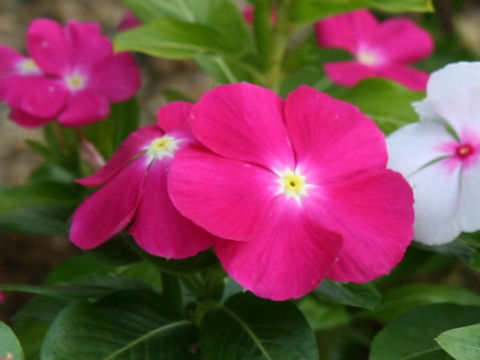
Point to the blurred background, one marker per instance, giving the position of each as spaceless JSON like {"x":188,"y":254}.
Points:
{"x":27,"y":259}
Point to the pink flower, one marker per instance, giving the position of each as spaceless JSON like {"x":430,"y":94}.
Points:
{"x":249,"y":12}
{"x":2,"y":298}
{"x":299,"y":188}
{"x":72,"y":75}
{"x":381,"y":49}
{"x":129,"y":21}
{"x":134,"y":192}
{"x":440,"y":155}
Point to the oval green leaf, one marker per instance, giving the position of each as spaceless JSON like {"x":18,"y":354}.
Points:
{"x":9,"y":345}
{"x":462,"y":343}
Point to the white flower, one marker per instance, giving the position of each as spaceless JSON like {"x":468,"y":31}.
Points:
{"x":440,"y":155}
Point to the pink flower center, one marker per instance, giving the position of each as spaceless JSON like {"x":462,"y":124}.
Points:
{"x":463,"y":151}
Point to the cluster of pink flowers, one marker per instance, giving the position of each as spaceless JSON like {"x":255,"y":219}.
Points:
{"x":71,"y":74}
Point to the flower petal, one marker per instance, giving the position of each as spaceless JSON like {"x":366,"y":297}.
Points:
{"x":348,"y":73}
{"x":403,"y":41}
{"x":415,"y":145}
{"x":46,"y":45}
{"x":374,"y":214}
{"x":36,"y":95}
{"x":287,"y":262}
{"x":129,"y":21}
{"x":158,"y":227}
{"x":436,"y":191}
{"x":84,"y":107}
{"x":9,"y":59}
{"x":331,"y":135}
{"x":174,"y":116}
{"x":347,"y":31}
{"x":469,"y":202}
{"x":110,"y":209}
{"x":117,"y":77}
{"x":133,"y":145}
{"x":411,"y":78}
{"x":203,"y":186}
{"x":243,"y":122}
{"x":27,"y":120}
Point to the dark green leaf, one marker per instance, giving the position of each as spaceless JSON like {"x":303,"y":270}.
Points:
{"x":62,"y":292}
{"x":455,"y":249}
{"x":125,"y":325}
{"x":387,"y":103}
{"x":116,"y":251}
{"x":399,"y":300}
{"x":306,"y":11}
{"x":38,"y":220}
{"x":175,"y":39}
{"x":411,"y":337}
{"x":247,"y":327}
{"x":360,"y":295}
{"x":321,"y":314}
{"x":222,"y":70}
{"x":462,"y":343}
{"x":9,"y":344}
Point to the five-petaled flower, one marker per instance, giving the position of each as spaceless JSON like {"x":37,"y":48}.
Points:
{"x":380,"y":49}
{"x":297,"y":188}
{"x":440,"y":155}
{"x":72,"y":75}
{"x":134,"y":192}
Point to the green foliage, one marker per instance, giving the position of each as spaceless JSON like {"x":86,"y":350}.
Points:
{"x":247,"y":327}
{"x":412,"y":336}
{"x":9,"y":344}
{"x":359,"y":295}
{"x":462,"y":343}
{"x":124,"y":325}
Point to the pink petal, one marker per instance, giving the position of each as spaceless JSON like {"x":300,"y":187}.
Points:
{"x":373,"y":211}
{"x":84,"y":107}
{"x":243,"y":122}
{"x":402,"y":41}
{"x":129,"y":21}
{"x":158,"y":227}
{"x":110,"y":209}
{"x":174,"y":116}
{"x":286,"y":262}
{"x":332,"y":137}
{"x":226,"y":197}
{"x":86,"y":45}
{"x":133,"y":145}
{"x":117,"y":77}
{"x":348,"y":73}
{"x":37,"y":95}
{"x":46,"y":45}
{"x":27,"y":120}
{"x":415,"y":145}
{"x":347,"y":31}
{"x":9,"y":59}
{"x":437,"y":194}
{"x":412,"y":78}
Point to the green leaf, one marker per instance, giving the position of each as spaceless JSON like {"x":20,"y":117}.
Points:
{"x":116,"y":251}
{"x":175,"y":39}
{"x":359,"y":295}
{"x":37,"y":220}
{"x":247,"y":327}
{"x":402,"y":299}
{"x":462,"y":343}
{"x":222,"y":70}
{"x":46,"y":193}
{"x":306,"y":11}
{"x":411,"y":337}
{"x":126,"y":325}
{"x":9,"y":344}
{"x":455,"y":249}
{"x":387,"y":103}
{"x":62,"y":292}
{"x":321,"y":314}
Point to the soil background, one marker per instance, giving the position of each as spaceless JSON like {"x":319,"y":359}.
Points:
{"x":27,"y":259}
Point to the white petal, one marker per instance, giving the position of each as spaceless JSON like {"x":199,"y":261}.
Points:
{"x":425,"y":111}
{"x":415,"y":145}
{"x":469,"y":205}
{"x":452,"y":79}
{"x":436,"y":193}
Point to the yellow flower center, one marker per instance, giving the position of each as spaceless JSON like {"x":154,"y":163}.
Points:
{"x":75,"y":82}
{"x":161,"y":147}
{"x":367,"y":57}
{"x":28,"y":67}
{"x":293,"y":184}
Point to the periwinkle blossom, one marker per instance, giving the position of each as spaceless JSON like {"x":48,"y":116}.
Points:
{"x":297,"y":188}
{"x":72,"y":75}
{"x":129,"y":21}
{"x":440,"y":155}
{"x":133,"y":193}
{"x":381,"y":49}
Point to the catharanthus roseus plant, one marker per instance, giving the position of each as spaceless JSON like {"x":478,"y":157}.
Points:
{"x":286,"y":204}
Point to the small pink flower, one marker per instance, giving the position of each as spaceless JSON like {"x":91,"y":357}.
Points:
{"x":249,"y":12}
{"x":134,"y":192}
{"x":129,"y":21}
{"x":299,"y":188}
{"x":2,"y":298}
{"x":381,"y":49}
{"x":72,"y":75}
